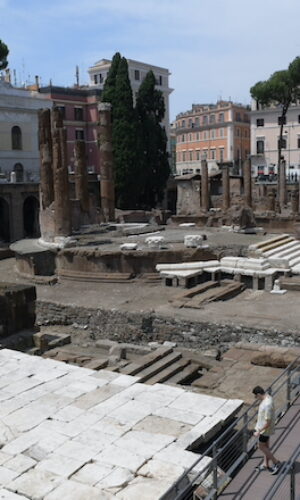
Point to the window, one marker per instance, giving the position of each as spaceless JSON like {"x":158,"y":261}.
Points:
{"x":238,"y":117}
{"x":95,"y":78}
{"x":101,"y":78}
{"x":221,"y":155}
{"x":198,"y":155}
{"x":205,"y":120}
{"x":190,"y":137}
{"x":212,"y":134}
{"x":298,"y":118}
{"x":204,"y":134}
{"x":197,"y":121}
{"x":16,"y":138}
{"x":260,"y":122}
{"x":62,"y":110}
{"x":238,"y":132}
{"x":197,"y":136}
{"x":136,"y":75}
{"x":283,"y":143}
{"x":183,"y":155}
{"x":298,"y":142}
{"x":190,"y":123}
{"x":182,"y":138}
{"x":281,"y":120}
{"x":213,"y":154}
{"x":78,"y":114}
{"x":183,"y":123}
{"x":221,"y":132}
{"x":212,"y":119}
{"x":160,"y":80}
{"x":221,"y":117}
{"x":19,"y":170}
{"x":79,"y":135}
{"x":191,"y":155}
{"x":260,"y":146}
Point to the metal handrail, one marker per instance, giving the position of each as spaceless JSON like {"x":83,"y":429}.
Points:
{"x":287,"y":468}
{"x":215,"y":451}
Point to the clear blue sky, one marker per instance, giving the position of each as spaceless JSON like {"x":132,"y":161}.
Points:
{"x":213,"y":48}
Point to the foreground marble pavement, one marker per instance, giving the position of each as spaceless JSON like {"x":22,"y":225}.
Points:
{"x":74,"y":433}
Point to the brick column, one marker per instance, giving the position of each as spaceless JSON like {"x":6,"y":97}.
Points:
{"x":107,"y":183}
{"x":226,"y":186}
{"x":81,"y":176}
{"x":62,"y":221}
{"x":45,"y":143}
{"x":247,"y":183}
{"x":204,"y":186}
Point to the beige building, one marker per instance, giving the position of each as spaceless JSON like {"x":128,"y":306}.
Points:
{"x":19,"y":149}
{"x":265,"y":127}
{"x":218,"y":132}
{"x":137,"y":72}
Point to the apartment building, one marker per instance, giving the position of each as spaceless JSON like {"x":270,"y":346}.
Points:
{"x":137,"y":71}
{"x":265,"y":128}
{"x":218,"y":132}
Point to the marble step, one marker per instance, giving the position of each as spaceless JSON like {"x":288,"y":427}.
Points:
{"x":166,"y":373}
{"x":157,"y":367}
{"x":190,"y":371}
{"x":147,"y":360}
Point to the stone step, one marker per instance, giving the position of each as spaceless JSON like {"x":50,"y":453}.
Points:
{"x":283,"y":250}
{"x":271,"y":241}
{"x":157,"y":367}
{"x":96,"y":364}
{"x":221,"y":293}
{"x":168,"y":372}
{"x":94,"y":276}
{"x":292,"y":284}
{"x":184,"y":375}
{"x":147,"y":360}
{"x":277,"y":244}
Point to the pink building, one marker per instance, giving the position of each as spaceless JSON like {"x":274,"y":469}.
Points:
{"x":79,"y":108}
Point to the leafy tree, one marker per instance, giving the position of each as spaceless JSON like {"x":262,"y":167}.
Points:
{"x":124,"y":133}
{"x":3,"y":55}
{"x":152,"y":142}
{"x":108,"y":92}
{"x":281,"y":89}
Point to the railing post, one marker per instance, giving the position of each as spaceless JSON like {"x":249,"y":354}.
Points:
{"x":245,"y":433}
{"x":292,"y":484}
{"x":215,"y":471}
{"x":288,"y":388}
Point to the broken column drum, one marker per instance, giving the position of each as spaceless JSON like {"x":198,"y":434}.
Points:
{"x":107,"y":184}
{"x":81,"y":176}
{"x":204,"y":186}
{"x":62,"y":206}
{"x":271,"y":201}
{"x":226,"y":187}
{"x":247,"y":183}
{"x":45,"y":144}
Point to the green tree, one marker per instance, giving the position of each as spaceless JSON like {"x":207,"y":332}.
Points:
{"x":3,"y":55}
{"x":124,"y":132}
{"x":108,"y":92}
{"x":152,"y":143}
{"x":281,"y":89}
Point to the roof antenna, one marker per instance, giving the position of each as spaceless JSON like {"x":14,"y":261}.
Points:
{"x":77,"y":76}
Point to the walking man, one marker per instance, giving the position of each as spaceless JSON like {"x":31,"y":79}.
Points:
{"x":265,"y":428}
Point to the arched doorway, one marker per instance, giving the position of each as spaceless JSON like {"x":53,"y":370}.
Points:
{"x":4,"y":221}
{"x":31,"y":217}
{"x":19,"y":170}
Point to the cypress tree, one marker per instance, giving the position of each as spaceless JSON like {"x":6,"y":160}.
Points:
{"x":108,"y":92}
{"x":150,"y":109}
{"x":3,"y":55}
{"x":124,"y":140}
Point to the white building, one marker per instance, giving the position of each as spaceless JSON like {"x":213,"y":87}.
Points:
{"x":265,"y":128}
{"x":19,"y":148}
{"x":137,"y":72}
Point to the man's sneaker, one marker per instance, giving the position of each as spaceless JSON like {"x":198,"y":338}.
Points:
{"x":275,"y":469}
{"x":262,"y":467}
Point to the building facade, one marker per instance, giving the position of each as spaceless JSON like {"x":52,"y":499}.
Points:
{"x":217,"y":132}
{"x":79,"y":107}
{"x":19,"y":148}
{"x":137,"y":72}
{"x":265,"y":128}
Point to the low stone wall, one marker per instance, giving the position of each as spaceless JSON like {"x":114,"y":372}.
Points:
{"x":17,"y":308}
{"x":145,"y":327}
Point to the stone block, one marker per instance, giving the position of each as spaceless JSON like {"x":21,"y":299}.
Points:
{"x":193,"y":240}
{"x":92,"y":473}
{"x":34,"y":484}
{"x":60,"y":465}
{"x":113,"y":455}
{"x":73,"y":490}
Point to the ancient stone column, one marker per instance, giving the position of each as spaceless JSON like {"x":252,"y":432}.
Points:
{"x":62,"y":221}
{"x":271,"y":201}
{"x":45,"y":143}
{"x":204,"y":186}
{"x":81,"y":176}
{"x":282,"y":185}
{"x":247,"y":183}
{"x":107,"y":183}
{"x":226,"y":187}
{"x":295,"y":202}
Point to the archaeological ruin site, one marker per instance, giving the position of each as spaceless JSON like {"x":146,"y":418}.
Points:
{"x":131,"y":340}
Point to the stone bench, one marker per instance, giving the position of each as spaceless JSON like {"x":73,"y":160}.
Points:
{"x":184,"y":278}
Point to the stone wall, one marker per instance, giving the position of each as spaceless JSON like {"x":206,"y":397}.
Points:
{"x":17,"y":308}
{"x":145,"y":327}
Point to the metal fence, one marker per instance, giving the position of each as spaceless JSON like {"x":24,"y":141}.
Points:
{"x":232,"y":448}
{"x":285,"y":486}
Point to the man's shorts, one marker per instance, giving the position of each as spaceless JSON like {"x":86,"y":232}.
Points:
{"x":263,"y":439}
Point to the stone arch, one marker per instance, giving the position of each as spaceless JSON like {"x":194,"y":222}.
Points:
{"x":16,"y":137}
{"x":4,"y":221}
{"x":19,"y":170}
{"x":31,"y":208}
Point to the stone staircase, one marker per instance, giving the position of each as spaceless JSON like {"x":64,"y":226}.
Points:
{"x":209,"y":291}
{"x":282,"y":252}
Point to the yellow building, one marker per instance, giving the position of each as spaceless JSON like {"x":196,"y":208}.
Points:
{"x":218,"y":132}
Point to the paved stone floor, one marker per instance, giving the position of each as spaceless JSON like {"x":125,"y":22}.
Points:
{"x":72,"y":433}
